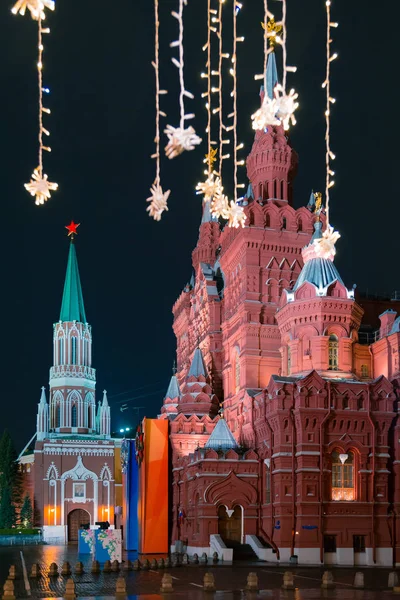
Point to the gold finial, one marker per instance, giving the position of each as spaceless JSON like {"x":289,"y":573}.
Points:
{"x":318,"y":204}
{"x":211,"y":157}
{"x":273,"y":31}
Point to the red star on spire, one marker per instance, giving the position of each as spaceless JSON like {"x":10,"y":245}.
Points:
{"x":72,"y":227}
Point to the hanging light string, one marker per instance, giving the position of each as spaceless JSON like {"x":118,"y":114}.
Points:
{"x":329,"y":155}
{"x":39,"y":187}
{"x":325,"y":247}
{"x":212,"y":185}
{"x":236,"y":146}
{"x":158,"y":198}
{"x":280,"y":109}
{"x":181,"y":139}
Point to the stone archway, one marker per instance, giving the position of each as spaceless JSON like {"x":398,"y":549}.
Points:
{"x":76,"y":518}
{"x":230,"y":524}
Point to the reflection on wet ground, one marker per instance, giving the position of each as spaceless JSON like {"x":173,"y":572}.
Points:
{"x":230,"y":580}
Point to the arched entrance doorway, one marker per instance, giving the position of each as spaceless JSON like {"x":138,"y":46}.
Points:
{"x":230,"y":524}
{"x":76,"y":518}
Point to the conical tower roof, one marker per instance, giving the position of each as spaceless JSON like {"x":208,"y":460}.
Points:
{"x":221,"y":437}
{"x":72,"y":307}
{"x":198,"y":368}
{"x":173,"y":390}
{"x":320,"y":271}
{"x":271,"y":75}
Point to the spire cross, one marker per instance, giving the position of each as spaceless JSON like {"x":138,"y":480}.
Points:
{"x":174,"y":369}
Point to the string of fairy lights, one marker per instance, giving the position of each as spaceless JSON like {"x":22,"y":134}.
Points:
{"x":329,"y":155}
{"x":278,"y":110}
{"x":39,"y":186}
{"x":158,"y":198}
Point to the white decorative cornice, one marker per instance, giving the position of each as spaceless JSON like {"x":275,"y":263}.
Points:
{"x":79,"y":472}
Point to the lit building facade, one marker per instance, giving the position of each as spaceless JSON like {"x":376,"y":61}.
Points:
{"x":305,"y":459}
{"x":76,"y":470}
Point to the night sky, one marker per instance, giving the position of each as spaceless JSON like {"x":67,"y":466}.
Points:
{"x":97,"y":65}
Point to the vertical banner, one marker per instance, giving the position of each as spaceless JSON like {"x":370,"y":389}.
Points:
{"x":130,"y":477}
{"x":153,"y":514}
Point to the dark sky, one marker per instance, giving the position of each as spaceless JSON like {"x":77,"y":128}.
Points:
{"x":97,"y":64}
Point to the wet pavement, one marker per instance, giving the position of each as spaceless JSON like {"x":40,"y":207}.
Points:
{"x":230,"y":580}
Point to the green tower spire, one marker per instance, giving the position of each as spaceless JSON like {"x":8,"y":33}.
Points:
{"x":72,"y":307}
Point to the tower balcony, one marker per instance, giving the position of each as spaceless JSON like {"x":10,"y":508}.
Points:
{"x":81,"y":372}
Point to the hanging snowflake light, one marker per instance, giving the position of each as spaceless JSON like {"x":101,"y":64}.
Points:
{"x":219,"y":206}
{"x":40,"y":187}
{"x":325,"y":246}
{"x":180,"y":139}
{"x":158,"y":202}
{"x":266,"y":114}
{"x":285,"y":106}
{"x":236,"y":216}
{"x":36,"y":8}
{"x":211,"y":187}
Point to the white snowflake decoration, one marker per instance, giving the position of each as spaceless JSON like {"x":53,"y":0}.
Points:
{"x":36,"y":8}
{"x":158,"y":202}
{"x":266,"y":114}
{"x":40,"y":187}
{"x":219,"y":206}
{"x":285,"y":106}
{"x":236,"y":217}
{"x":325,"y":246}
{"x":180,"y":139}
{"x":211,"y":187}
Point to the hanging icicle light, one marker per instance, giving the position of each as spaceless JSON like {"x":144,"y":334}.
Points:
{"x":39,"y":186}
{"x":181,"y":138}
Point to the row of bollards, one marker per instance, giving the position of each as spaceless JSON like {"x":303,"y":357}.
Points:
{"x":252,"y":584}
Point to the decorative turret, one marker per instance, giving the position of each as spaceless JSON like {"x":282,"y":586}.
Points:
{"x":42,"y":423}
{"x":197,"y":395}
{"x":105,"y":418}
{"x":323,"y":341}
{"x":172,"y":397}
{"x":72,"y":378}
{"x":272,"y":162}
{"x":208,"y":242}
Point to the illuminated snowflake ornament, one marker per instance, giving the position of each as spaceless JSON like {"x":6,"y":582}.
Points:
{"x":285,"y":106}
{"x":180,"y":139}
{"x":219,"y":206}
{"x":210,"y":188}
{"x":236,"y":217}
{"x":266,"y":114}
{"x":40,"y":187}
{"x":35,"y":7}
{"x":158,"y":202}
{"x":325,"y":246}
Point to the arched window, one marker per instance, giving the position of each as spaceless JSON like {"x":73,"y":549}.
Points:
{"x":90,"y":426}
{"x":333,"y":350}
{"x":364,"y":371}
{"x":237,"y":370}
{"x":60,"y":350}
{"x":299,"y":225}
{"x":284,"y":223}
{"x":58,"y":415}
{"x":343,"y":476}
{"x":267,"y":220}
{"x":73,"y":350}
{"x":289,"y":359}
{"x":74,"y":416}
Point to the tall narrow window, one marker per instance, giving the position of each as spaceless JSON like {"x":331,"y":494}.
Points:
{"x":333,"y":349}
{"x":343,"y":476}
{"x":364,"y":371}
{"x":289,"y":359}
{"x":268,"y":485}
{"x":284,"y":223}
{"x":74,"y":416}
{"x":237,"y":371}
{"x":60,"y":351}
{"x":58,"y":415}
{"x":73,"y":350}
